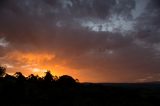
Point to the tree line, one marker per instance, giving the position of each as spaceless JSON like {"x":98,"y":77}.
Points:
{"x":48,"y":78}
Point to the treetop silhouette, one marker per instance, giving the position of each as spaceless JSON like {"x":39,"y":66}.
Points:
{"x":2,"y":71}
{"x":48,"y":78}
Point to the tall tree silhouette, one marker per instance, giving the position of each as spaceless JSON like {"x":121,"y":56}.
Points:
{"x":48,"y":77}
{"x":2,"y":71}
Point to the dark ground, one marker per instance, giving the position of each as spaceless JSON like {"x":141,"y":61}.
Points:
{"x":18,"y":90}
{"x":86,"y":94}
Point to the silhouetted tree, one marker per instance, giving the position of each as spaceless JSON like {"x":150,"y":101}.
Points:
{"x":2,"y":71}
{"x":48,"y":77}
{"x":32,"y":77}
{"x":56,"y":78}
{"x":20,"y":77}
{"x":66,"y":80}
{"x":9,"y":78}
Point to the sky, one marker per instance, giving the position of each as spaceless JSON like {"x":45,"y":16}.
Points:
{"x":91,"y":40}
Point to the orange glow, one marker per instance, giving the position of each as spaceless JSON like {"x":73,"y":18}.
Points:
{"x":38,"y":63}
{"x":30,"y":58}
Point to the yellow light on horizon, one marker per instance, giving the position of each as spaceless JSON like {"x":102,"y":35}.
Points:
{"x":35,"y":70}
{"x":39,"y":63}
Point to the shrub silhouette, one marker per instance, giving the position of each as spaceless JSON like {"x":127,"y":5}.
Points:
{"x":66,"y":80}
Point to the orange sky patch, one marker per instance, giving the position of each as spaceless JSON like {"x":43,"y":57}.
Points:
{"x":38,"y":63}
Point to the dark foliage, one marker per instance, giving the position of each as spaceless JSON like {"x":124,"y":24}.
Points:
{"x":66,"y":91}
{"x":66,"y":80}
{"x":2,"y":71}
{"x":48,"y":78}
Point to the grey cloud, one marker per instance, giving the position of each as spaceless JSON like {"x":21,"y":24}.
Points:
{"x":52,"y":26}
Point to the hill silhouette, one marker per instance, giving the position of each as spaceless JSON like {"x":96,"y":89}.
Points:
{"x":66,"y":91}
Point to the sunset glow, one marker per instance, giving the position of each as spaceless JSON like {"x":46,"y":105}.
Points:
{"x":38,"y":64}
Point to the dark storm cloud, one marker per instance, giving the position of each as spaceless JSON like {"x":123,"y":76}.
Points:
{"x":32,"y":20}
{"x":148,"y":25}
{"x":55,"y":26}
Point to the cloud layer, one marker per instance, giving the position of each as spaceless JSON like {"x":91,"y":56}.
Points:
{"x":101,"y":40}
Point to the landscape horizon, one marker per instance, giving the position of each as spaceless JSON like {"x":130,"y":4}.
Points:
{"x":65,"y":90}
{"x":80,"y":52}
